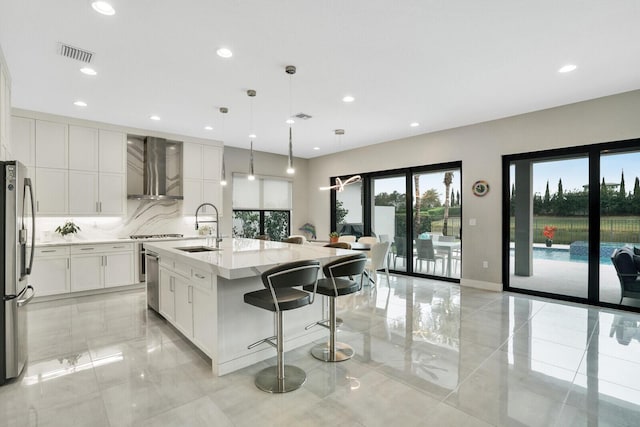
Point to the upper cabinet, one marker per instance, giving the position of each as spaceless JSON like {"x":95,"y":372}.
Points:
{"x":83,"y":148}
{"x":23,"y":137}
{"x":112,"y":154}
{"x":202,"y":167}
{"x":52,"y":144}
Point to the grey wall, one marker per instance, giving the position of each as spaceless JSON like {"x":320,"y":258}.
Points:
{"x":267,"y":164}
{"x":480,"y":148}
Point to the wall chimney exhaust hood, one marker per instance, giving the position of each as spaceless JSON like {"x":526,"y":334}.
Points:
{"x":154,"y":168}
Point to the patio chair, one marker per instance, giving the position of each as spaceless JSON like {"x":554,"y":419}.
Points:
{"x":627,"y":266}
{"x":425,"y":252}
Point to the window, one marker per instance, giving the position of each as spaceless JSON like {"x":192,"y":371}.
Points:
{"x":261,"y":207}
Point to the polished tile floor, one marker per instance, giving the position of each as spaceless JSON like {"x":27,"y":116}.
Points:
{"x":427,"y":354}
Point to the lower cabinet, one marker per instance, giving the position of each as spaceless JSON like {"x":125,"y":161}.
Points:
{"x":51,"y":271}
{"x":187,"y":300}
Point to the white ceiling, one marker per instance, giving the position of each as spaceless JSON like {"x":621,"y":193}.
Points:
{"x":440,"y":63}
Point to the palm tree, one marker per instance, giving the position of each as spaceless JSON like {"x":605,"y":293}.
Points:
{"x":448,"y":178}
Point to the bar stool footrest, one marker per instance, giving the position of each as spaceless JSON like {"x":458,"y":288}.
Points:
{"x":267,"y":379}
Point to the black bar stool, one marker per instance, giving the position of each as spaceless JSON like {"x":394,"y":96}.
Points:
{"x":280,"y":296}
{"x":338,"y":281}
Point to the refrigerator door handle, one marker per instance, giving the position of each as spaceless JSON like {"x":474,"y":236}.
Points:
{"x":25,"y":301}
{"x":27,"y":184}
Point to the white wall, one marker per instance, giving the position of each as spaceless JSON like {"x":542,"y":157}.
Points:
{"x":480,"y":147}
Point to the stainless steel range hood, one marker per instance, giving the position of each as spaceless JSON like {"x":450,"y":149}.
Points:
{"x":154,"y":168}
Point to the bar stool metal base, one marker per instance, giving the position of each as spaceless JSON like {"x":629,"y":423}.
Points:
{"x":323,"y":352}
{"x":267,"y":379}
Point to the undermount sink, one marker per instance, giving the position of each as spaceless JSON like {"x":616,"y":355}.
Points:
{"x":192,"y":249}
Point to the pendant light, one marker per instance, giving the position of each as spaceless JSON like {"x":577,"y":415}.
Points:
{"x":291,"y":70}
{"x":251,"y":93}
{"x":223,"y":173}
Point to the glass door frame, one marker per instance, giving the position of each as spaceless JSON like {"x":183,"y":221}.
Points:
{"x":408,"y":172}
{"x":594,"y":152}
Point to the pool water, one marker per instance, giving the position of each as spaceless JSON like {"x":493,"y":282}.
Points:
{"x":556,"y":254}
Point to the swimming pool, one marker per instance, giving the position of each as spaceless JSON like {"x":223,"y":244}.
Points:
{"x":558,"y":254}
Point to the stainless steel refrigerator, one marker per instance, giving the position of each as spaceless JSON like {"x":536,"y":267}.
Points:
{"x":17,"y":228}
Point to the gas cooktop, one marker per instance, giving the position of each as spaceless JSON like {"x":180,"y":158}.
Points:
{"x":154,"y":236}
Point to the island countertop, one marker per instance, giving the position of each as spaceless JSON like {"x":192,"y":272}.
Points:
{"x":240,"y":258}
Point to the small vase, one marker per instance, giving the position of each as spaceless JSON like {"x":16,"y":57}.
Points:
{"x":333,"y":239}
{"x":548,"y":242}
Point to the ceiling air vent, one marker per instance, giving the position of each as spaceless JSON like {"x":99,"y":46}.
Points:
{"x":75,"y":53}
{"x":302,"y":116}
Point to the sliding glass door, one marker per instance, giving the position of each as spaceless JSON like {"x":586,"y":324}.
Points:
{"x":417,"y":209}
{"x":566,"y":212}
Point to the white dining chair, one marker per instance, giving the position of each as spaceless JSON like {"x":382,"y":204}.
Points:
{"x":377,"y":261}
{"x":368,"y":240}
{"x":347,"y":238}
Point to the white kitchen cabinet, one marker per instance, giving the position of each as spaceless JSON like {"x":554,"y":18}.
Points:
{"x":202,"y":167}
{"x":187,"y":299}
{"x":51,"y":191}
{"x":5,"y":112}
{"x":23,"y":137}
{"x":112,"y":193}
{"x":51,"y":271}
{"x":184,"y":305}
{"x":196,"y":192}
{"x":192,"y":159}
{"x":118,"y":269}
{"x":96,"y":193}
{"x":112,"y":151}
{"x":83,"y":148}
{"x":101,"y":266}
{"x":167,"y":295}
{"x":86,"y":272}
{"x":211,"y":162}
{"x":52,"y":144}
{"x":204,"y":303}
{"x":83,"y":193}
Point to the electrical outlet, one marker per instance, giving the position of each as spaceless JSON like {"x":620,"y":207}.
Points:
{"x":472,"y":221}
{"x":485,"y":264}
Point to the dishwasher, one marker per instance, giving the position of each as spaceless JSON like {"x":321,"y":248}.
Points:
{"x":153,"y":281}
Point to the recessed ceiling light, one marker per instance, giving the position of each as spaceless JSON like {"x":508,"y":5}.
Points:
{"x":567,"y":68}
{"x":80,"y":104}
{"x":414,"y":124}
{"x":253,"y":136}
{"x":316,"y":148}
{"x":154,"y":117}
{"x":223,"y":52}
{"x":103,"y":7}
{"x":208,"y":128}
{"x":290,"y":121}
{"x":88,"y":71}
{"x":348,"y":98}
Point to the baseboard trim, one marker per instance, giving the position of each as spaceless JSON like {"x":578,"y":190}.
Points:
{"x":478,"y":284}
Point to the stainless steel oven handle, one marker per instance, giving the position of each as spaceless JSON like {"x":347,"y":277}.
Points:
{"x":25,"y":301}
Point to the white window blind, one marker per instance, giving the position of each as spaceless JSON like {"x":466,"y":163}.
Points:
{"x":262,"y":193}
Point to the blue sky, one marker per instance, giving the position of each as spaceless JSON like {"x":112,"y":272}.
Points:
{"x":574,"y":173}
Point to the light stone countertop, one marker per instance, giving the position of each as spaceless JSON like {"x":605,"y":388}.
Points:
{"x":240,"y":258}
{"x":97,"y":241}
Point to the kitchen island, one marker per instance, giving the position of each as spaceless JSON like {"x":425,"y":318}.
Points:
{"x":202,"y":295}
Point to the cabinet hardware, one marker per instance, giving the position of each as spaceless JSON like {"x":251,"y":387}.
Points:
{"x":100,"y":207}
{"x":171,"y":285}
{"x":50,"y":250}
{"x":97,"y":208}
{"x":38,"y":205}
{"x":87,"y":249}
{"x":105,"y":261}
{"x":68,"y":263}
{"x":199,"y":276}
{"x":190,"y":294}
{"x":118,"y":247}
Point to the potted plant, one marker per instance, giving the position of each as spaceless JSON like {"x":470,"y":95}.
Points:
{"x":68,"y":230}
{"x":333,"y":236}
{"x":549,"y":231}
